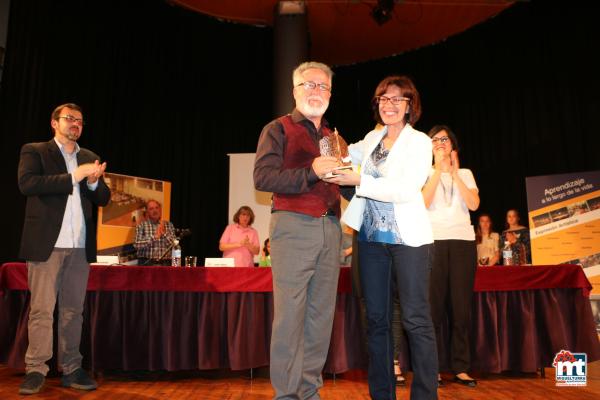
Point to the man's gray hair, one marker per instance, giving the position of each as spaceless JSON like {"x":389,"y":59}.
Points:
{"x":297,"y":75}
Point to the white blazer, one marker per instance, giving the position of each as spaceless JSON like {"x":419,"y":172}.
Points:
{"x":408,"y":164}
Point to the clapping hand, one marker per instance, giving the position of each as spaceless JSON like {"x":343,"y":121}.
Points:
{"x":91,"y":171}
{"x":442,"y":161}
{"x":454,"y":164}
{"x":245,"y":242}
{"x":98,"y":171}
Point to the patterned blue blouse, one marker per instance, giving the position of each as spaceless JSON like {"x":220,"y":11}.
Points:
{"x":379,"y":221}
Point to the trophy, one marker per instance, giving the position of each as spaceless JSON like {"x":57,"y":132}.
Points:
{"x":334,"y":145}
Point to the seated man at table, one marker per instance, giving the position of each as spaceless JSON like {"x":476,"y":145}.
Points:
{"x":153,"y":237}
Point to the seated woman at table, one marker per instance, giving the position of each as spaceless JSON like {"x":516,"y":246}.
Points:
{"x":488,"y":242}
{"x":265,"y":259}
{"x":239,"y":240}
{"x":518,"y":237}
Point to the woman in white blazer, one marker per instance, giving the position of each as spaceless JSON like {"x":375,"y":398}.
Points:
{"x":395,"y":236}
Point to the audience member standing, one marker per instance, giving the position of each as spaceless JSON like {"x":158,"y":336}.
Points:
{"x":450,"y":193}
{"x":62,"y":182}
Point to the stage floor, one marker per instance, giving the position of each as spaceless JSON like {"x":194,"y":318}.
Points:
{"x":221,"y":385}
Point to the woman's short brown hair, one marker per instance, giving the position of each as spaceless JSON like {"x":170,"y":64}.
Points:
{"x":244,"y":209}
{"x":407,"y":89}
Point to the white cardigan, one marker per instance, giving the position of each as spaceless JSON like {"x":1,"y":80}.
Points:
{"x":408,"y":164}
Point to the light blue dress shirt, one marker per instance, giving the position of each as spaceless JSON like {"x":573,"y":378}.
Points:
{"x":72,"y":231}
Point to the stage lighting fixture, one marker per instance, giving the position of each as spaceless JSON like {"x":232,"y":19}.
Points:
{"x":382,"y":12}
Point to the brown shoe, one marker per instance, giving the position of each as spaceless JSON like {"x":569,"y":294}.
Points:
{"x":33,"y":383}
{"x":467,"y":382}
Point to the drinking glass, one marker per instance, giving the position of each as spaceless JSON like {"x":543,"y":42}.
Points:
{"x":190,"y":261}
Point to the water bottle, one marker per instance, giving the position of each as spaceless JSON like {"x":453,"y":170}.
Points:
{"x":507,"y":254}
{"x":176,"y":254}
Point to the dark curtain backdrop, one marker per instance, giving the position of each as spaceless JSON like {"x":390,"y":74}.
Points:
{"x":169,"y":93}
{"x":166,"y":94}
{"x":521,"y":92}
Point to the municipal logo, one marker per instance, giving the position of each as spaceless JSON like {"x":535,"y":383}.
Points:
{"x":571,"y":368}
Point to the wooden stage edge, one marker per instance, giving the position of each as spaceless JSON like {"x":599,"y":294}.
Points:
{"x":352,"y":385}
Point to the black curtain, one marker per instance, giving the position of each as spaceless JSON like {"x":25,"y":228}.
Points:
{"x":167,"y":93}
{"x":521,"y":92}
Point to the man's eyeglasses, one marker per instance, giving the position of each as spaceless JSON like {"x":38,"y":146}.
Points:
{"x":310,"y":85}
{"x":394,"y":100}
{"x":441,"y":140}
{"x":72,"y":119}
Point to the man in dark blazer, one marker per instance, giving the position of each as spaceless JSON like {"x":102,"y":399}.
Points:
{"x":62,"y":182}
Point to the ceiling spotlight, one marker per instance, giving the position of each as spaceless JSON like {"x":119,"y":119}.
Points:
{"x":382,"y":12}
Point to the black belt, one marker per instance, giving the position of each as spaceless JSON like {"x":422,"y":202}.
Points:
{"x":329,"y":213}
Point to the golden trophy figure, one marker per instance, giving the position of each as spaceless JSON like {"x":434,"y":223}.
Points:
{"x":334,"y":145}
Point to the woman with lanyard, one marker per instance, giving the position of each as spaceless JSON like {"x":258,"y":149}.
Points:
{"x":449,"y":194}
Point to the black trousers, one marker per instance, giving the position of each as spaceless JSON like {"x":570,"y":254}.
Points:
{"x":451,"y":294}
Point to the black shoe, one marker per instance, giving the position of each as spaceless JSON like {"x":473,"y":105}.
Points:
{"x":32,"y":384}
{"x":466,"y":382}
{"x":440,"y":382}
{"x":400,"y":380}
{"x":78,"y":379}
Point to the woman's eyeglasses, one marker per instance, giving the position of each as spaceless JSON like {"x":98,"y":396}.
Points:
{"x":394,"y":100}
{"x":441,"y":140}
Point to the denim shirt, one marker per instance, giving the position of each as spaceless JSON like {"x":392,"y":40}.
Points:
{"x":379,"y":222}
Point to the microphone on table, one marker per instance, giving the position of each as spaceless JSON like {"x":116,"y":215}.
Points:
{"x":179,"y":233}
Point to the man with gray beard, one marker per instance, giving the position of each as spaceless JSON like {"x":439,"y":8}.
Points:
{"x":305,"y":235}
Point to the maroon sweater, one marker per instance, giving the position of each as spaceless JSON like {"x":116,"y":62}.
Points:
{"x":285,"y":152}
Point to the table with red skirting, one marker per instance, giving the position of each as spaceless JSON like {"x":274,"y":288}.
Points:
{"x":167,"y":318}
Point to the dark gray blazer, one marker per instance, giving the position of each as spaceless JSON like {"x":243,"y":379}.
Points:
{"x":44,"y":179}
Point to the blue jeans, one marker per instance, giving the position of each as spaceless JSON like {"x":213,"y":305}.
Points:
{"x":412,"y":268}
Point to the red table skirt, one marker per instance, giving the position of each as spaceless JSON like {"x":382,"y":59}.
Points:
{"x":162,"y":279}
{"x":531,"y":277}
{"x":210,"y":319}
{"x":132,"y":278}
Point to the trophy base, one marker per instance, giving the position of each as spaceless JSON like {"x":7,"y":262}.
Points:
{"x":332,"y":173}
